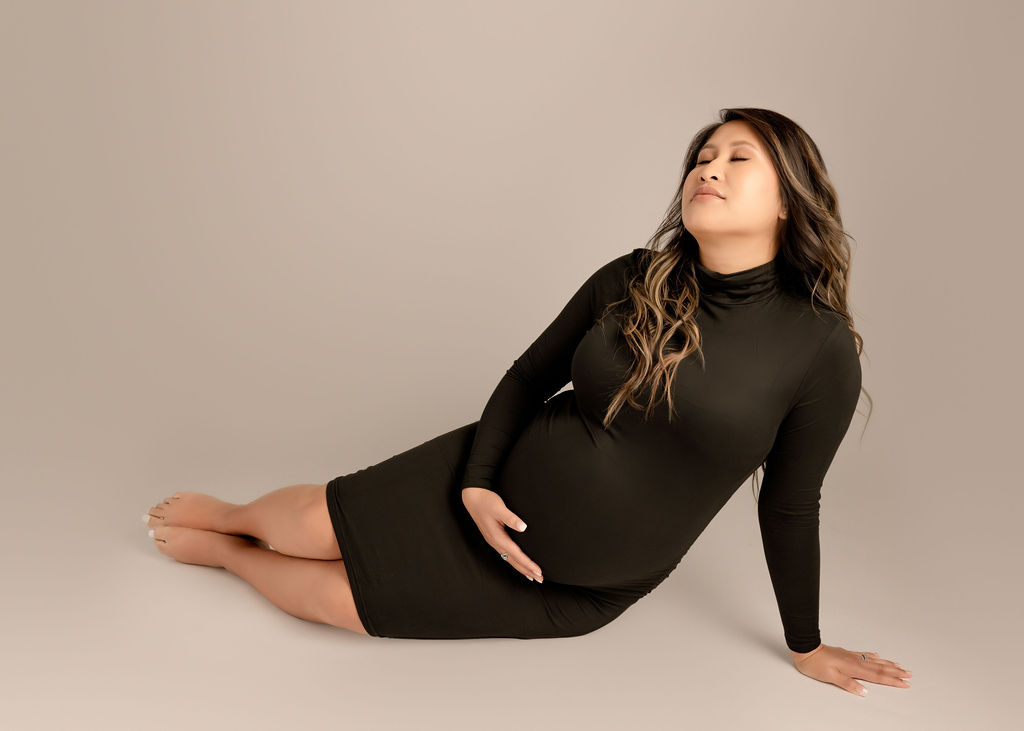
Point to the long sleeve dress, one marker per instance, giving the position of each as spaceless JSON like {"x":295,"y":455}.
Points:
{"x":610,"y":512}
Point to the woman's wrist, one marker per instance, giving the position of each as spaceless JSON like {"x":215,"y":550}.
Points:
{"x":797,"y":656}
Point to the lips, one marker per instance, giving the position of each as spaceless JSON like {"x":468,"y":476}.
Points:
{"x":707,"y":190}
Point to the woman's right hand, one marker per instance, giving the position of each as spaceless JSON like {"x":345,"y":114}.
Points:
{"x":491,"y":516}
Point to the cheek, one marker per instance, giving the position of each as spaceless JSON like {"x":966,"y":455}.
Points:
{"x":760,"y":188}
{"x":767,"y":184}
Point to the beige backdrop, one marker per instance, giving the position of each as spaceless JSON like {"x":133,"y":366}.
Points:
{"x":252,"y":244}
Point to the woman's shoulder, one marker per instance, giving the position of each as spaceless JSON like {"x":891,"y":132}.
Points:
{"x":612,"y":276}
{"x":817,"y":327}
{"x":628,"y":260}
{"x":816,"y":316}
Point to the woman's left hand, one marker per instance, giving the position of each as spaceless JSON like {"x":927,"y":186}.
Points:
{"x":840,"y":666}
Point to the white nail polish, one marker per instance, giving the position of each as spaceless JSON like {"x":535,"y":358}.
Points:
{"x":145,"y":518}
{"x":150,"y":532}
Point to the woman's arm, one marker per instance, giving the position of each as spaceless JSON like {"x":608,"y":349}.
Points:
{"x":804,"y":448}
{"x":788,"y":504}
{"x":542,"y":370}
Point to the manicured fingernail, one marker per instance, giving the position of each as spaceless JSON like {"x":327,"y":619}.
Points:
{"x":530,"y":578}
{"x":150,"y":532}
{"x":521,"y":526}
{"x":863,"y":691}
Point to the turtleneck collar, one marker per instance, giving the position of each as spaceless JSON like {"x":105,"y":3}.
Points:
{"x":739,"y":288}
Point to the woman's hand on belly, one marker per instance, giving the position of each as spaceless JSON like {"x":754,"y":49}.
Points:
{"x":492,"y":517}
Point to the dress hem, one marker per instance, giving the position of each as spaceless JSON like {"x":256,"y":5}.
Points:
{"x":353,"y":567}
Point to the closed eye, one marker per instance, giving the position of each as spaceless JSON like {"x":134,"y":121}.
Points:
{"x":705,"y":162}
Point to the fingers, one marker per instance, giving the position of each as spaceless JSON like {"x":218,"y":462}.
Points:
{"x":891,"y":675}
{"x":521,"y":568}
{"x":886,"y":667}
{"x":517,"y":560}
{"x":521,"y":562}
{"x":853,"y":686}
{"x":878,"y":670}
{"x":895,"y":668}
{"x":890,"y":664}
{"x":514,"y":522}
{"x":492,"y":517}
{"x":884,"y":676}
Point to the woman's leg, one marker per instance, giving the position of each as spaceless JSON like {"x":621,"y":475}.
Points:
{"x":311,"y":589}
{"x":294,"y":520}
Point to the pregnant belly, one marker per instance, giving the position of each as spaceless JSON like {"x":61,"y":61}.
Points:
{"x":591,"y":520}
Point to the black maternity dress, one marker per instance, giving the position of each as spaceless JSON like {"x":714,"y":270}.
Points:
{"x":610,"y":513}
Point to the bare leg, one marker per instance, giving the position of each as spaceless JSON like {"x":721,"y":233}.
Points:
{"x":294,"y":520}
{"x":311,"y":589}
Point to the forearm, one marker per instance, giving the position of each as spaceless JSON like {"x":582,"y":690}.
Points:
{"x":508,"y":410}
{"x":792,"y":553}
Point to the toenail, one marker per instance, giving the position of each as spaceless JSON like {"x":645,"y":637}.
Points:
{"x":150,"y":532}
{"x":145,"y":518}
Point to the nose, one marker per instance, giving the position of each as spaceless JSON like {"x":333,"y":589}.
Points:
{"x":708,"y":171}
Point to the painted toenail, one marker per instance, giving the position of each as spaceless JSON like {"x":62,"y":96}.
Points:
{"x":145,"y":518}
{"x":150,"y":532}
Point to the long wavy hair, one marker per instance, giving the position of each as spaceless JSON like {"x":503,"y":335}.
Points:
{"x":662,"y":299}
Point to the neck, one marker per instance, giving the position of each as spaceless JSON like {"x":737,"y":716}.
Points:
{"x":731,"y":257}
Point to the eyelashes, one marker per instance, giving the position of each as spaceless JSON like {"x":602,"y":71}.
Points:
{"x":705,"y":162}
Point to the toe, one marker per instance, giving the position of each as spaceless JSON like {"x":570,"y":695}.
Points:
{"x":146,"y":517}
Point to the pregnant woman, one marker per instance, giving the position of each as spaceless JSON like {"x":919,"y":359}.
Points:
{"x":723,"y":346}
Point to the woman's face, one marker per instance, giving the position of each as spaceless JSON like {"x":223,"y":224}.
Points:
{"x":734,"y":163}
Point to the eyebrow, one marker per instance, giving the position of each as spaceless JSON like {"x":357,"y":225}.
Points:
{"x":734,"y":144}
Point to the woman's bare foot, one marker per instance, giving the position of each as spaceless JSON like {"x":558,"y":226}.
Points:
{"x":192,"y":510}
{"x":195,"y":546}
